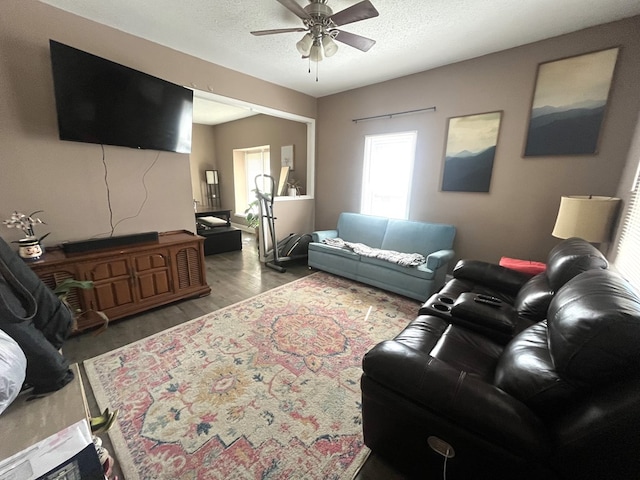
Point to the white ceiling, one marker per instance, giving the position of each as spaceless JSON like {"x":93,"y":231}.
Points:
{"x":411,"y":35}
{"x":211,"y":112}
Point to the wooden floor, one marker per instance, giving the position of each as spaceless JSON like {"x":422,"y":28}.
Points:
{"x":232,"y":276}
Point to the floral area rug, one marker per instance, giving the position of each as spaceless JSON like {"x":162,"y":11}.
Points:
{"x":268,"y":388}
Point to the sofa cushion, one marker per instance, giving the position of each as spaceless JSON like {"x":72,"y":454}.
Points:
{"x":342,"y":252}
{"x":455,"y":287}
{"x":417,"y":237}
{"x":490,"y":276}
{"x":594,"y":329}
{"x":421,"y":271}
{"x":570,"y":258}
{"x":533,"y":299}
{"x":367,"y":229}
{"x":468,"y":351}
{"x":423,"y":333}
{"x":526,"y":371}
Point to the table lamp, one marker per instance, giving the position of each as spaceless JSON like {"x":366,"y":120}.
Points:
{"x":588,"y":217}
{"x":213,"y":188}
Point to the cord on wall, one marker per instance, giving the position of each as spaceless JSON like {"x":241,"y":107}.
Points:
{"x":106,"y":182}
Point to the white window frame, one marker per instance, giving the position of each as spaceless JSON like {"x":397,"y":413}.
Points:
{"x":627,"y":260}
{"x":380,"y":179}
{"x":244,"y":179}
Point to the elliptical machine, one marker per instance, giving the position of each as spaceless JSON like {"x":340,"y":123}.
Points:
{"x":289,"y":248}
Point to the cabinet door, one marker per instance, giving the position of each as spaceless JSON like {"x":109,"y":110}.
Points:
{"x":112,"y":285}
{"x":152,"y":275}
{"x":54,"y":276}
{"x":189,"y":266}
{"x":81,"y":301}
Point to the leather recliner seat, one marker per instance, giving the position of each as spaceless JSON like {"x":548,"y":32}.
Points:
{"x":528,"y":296}
{"x":560,"y":400}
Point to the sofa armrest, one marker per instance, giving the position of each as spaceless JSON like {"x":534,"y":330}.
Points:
{"x":491,"y":275}
{"x":457,"y":396}
{"x":494,"y":315}
{"x":438,"y":259}
{"x":320,"y":235}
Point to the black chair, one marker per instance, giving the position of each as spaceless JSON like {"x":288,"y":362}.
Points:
{"x":518,"y":300}
{"x":560,"y":400}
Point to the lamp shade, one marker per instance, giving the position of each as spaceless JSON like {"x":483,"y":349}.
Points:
{"x":304,"y":45}
{"x":588,"y":217}
{"x":330,"y":47}
{"x":317,"y":53}
{"x":211,"y":177}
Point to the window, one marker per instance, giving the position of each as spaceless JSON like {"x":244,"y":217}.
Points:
{"x":627,"y":260}
{"x":388,"y":168}
{"x":247,"y":164}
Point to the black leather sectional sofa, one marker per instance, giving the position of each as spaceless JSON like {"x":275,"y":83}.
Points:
{"x":506,"y":376}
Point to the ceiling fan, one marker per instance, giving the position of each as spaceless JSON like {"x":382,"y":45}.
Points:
{"x":321,"y":24}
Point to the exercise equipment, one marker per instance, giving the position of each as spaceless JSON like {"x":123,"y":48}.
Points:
{"x":292,"y":247}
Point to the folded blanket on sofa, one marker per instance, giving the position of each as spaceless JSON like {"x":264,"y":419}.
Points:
{"x":403,"y":259}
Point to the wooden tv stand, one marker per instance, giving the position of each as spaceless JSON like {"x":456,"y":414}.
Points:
{"x":129,"y":279}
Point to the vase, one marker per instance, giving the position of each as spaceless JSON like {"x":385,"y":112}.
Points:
{"x":30,"y":249}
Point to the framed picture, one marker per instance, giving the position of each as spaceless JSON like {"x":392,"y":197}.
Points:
{"x":470,"y":150}
{"x":569,"y":104}
{"x":286,"y":156}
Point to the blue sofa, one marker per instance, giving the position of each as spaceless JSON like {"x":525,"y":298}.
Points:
{"x":433,"y":240}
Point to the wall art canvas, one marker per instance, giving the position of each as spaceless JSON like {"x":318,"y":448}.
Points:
{"x":286,"y":156}
{"x":569,"y":104}
{"x":470,"y":150}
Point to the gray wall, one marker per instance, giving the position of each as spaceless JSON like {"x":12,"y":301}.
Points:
{"x":203,"y":157}
{"x":66,"y":179}
{"x":253,"y":132}
{"x":517,"y":216}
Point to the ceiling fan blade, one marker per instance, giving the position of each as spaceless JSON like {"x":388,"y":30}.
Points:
{"x":259,"y":33}
{"x":354,"y":13}
{"x":294,"y":7}
{"x":355,"y":41}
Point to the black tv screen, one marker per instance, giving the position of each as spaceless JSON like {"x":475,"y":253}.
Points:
{"x":99,"y":101}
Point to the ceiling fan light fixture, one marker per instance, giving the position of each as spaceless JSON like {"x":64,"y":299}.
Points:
{"x":330,"y":47}
{"x":305,"y":44}
{"x":316,"y":54}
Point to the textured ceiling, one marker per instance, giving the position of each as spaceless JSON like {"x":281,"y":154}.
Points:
{"x":411,"y":35}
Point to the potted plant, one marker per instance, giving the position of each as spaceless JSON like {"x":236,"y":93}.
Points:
{"x":293,"y":188}
{"x":29,"y":247}
{"x":63,"y":290}
{"x":252,"y":215}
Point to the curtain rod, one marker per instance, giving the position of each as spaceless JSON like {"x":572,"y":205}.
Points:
{"x":391,"y":115}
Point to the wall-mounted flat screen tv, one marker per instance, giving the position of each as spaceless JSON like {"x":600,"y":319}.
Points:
{"x":99,"y":101}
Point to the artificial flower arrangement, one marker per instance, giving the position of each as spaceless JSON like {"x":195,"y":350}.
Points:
{"x":25,"y":223}
{"x":292,"y":183}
